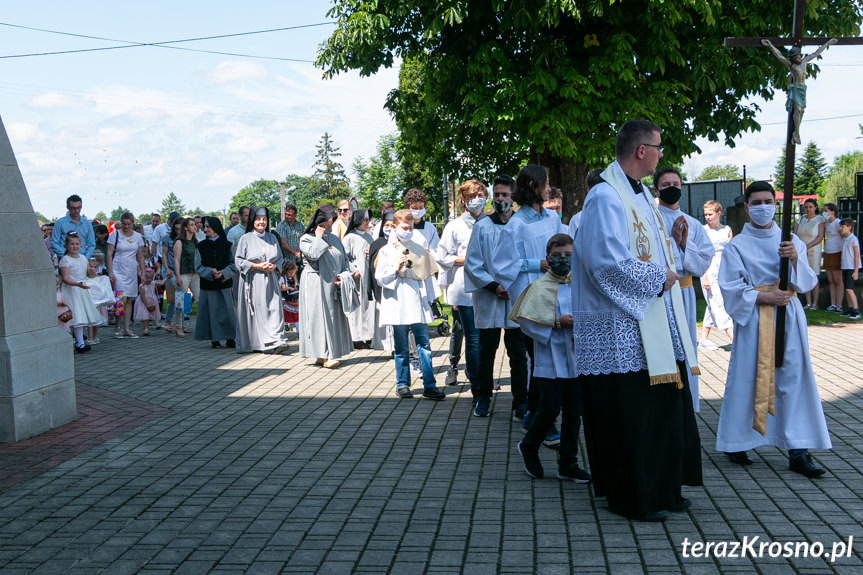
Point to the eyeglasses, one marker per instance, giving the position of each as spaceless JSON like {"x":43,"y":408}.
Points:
{"x":657,"y":146}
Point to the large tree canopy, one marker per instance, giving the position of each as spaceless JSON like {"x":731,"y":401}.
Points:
{"x":488,"y":84}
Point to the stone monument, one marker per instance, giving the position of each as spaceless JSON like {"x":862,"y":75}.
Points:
{"x":37,"y":374}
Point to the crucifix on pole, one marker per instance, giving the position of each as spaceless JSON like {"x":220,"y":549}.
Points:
{"x":796,"y":63}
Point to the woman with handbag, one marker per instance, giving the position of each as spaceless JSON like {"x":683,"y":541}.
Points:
{"x":125,"y":263}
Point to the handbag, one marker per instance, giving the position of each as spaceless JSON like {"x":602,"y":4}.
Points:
{"x":65,"y":317}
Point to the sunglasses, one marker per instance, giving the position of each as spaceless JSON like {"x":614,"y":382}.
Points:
{"x":344,"y":209}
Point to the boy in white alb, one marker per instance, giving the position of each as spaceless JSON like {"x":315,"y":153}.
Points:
{"x":405,"y":272}
{"x":763,"y":404}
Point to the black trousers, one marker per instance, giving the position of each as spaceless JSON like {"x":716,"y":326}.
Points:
{"x":556,"y":395}
{"x":513,"y":341}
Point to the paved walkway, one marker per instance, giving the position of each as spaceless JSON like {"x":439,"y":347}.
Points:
{"x":233,"y":463}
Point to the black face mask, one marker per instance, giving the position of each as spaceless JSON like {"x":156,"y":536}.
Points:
{"x":670,"y":195}
{"x":560,"y":265}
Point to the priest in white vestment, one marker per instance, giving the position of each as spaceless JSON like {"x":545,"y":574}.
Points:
{"x":690,"y":246}
{"x":628,"y":316}
{"x":764,"y":405}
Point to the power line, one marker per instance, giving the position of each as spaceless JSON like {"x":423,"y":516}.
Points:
{"x":815,"y":120}
{"x":166,"y":44}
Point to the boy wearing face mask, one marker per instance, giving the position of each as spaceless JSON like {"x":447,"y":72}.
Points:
{"x":765,"y":405}
{"x":690,"y":245}
{"x":405,"y":272}
{"x":425,"y":233}
{"x":543,"y":311}
{"x":450,"y":256}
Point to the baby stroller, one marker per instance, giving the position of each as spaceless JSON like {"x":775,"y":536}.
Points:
{"x":439,"y":315}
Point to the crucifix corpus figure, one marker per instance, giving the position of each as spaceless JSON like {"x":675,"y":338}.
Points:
{"x":796,"y":64}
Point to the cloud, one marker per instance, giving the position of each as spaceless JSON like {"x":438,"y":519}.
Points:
{"x":247,"y":145}
{"x":54,"y":100}
{"x":230,"y":71}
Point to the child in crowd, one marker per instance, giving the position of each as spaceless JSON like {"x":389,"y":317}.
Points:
{"x":101,"y":294}
{"x":543,"y":312}
{"x":73,"y":270}
{"x":146,"y":305}
{"x":290,"y":289}
{"x":850,"y":265}
{"x":405,"y":271}
{"x":63,"y":311}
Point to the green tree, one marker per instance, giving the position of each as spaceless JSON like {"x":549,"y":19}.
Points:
{"x":172,"y":203}
{"x":488,"y":85}
{"x":304,"y":196}
{"x":779,"y":171}
{"x":717,"y":172}
{"x":101,"y":216}
{"x":259,"y":193}
{"x":40,"y":218}
{"x":329,"y":178}
{"x":117,"y":212}
{"x":840,"y":176}
{"x":381,"y":178}
{"x":810,"y":173}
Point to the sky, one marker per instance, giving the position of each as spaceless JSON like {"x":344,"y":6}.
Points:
{"x":125,"y":127}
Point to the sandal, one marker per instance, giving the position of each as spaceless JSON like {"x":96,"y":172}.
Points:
{"x":145,"y":332}
{"x":169,"y":329}
{"x":179,"y":333}
{"x":186,"y":330}
{"x":118,"y":334}
{"x":129,"y":334}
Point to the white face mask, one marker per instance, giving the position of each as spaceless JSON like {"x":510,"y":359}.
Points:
{"x":418,"y":214}
{"x":475,"y":205}
{"x":762,"y":214}
{"x":404,"y":235}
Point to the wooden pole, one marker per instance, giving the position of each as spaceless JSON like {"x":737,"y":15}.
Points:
{"x":787,"y":207}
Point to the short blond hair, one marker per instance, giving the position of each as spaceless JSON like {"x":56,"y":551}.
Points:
{"x":470,"y":187}
{"x":402,"y":216}
{"x":713,"y":205}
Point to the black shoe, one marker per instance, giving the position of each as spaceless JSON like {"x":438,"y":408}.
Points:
{"x":683,"y":505}
{"x":532,"y":464}
{"x":653,"y":516}
{"x":451,"y":376}
{"x":83,"y":348}
{"x":215,"y":344}
{"x":404,"y":392}
{"x":230,"y":343}
{"x":802,"y":464}
{"x":739,"y":457}
{"x":573,"y":473}
{"x":433,"y":393}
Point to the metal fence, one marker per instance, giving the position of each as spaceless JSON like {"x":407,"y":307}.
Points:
{"x":696,"y":193}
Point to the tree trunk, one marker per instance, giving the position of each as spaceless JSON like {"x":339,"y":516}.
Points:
{"x":567,"y":174}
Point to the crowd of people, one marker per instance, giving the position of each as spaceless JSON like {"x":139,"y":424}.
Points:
{"x":598,"y":318}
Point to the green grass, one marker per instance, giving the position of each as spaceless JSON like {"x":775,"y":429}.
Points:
{"x":813,"y":317}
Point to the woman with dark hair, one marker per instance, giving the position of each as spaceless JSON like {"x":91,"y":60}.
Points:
{"x":810,"y":228}
{"x":324,"y":330}
{"x":357,"y":242}
{"x":520,"y":255}
{"x":383,"y":336}
{"x":217,"y":319}
{"x":258,"y":259}
{"x":184,"y":269}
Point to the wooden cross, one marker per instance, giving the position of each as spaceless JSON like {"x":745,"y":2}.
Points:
{"x":796,"y":39}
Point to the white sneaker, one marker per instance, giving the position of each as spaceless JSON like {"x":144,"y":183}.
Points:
{"x":707,"y":344}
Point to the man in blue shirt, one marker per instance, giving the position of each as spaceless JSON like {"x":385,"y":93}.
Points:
{"x":74,"y":221}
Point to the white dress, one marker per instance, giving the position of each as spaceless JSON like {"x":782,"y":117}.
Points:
{"x":125,"y":261}
{"x":807,"y":230}
{"x":84,"y":312}
{"x":751,"y":260}
{"x":715,"y":315}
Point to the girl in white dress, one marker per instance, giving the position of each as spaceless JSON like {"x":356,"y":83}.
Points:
{"x":810,"y":228}
{"x":715,"y":315}
{"x":73,"y":270}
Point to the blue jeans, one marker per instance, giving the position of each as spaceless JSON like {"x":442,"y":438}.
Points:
{"x":471,"y":344}
{"x":402,"y":354}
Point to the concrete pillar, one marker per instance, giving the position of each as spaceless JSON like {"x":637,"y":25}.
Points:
{"x":37,"y":374}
